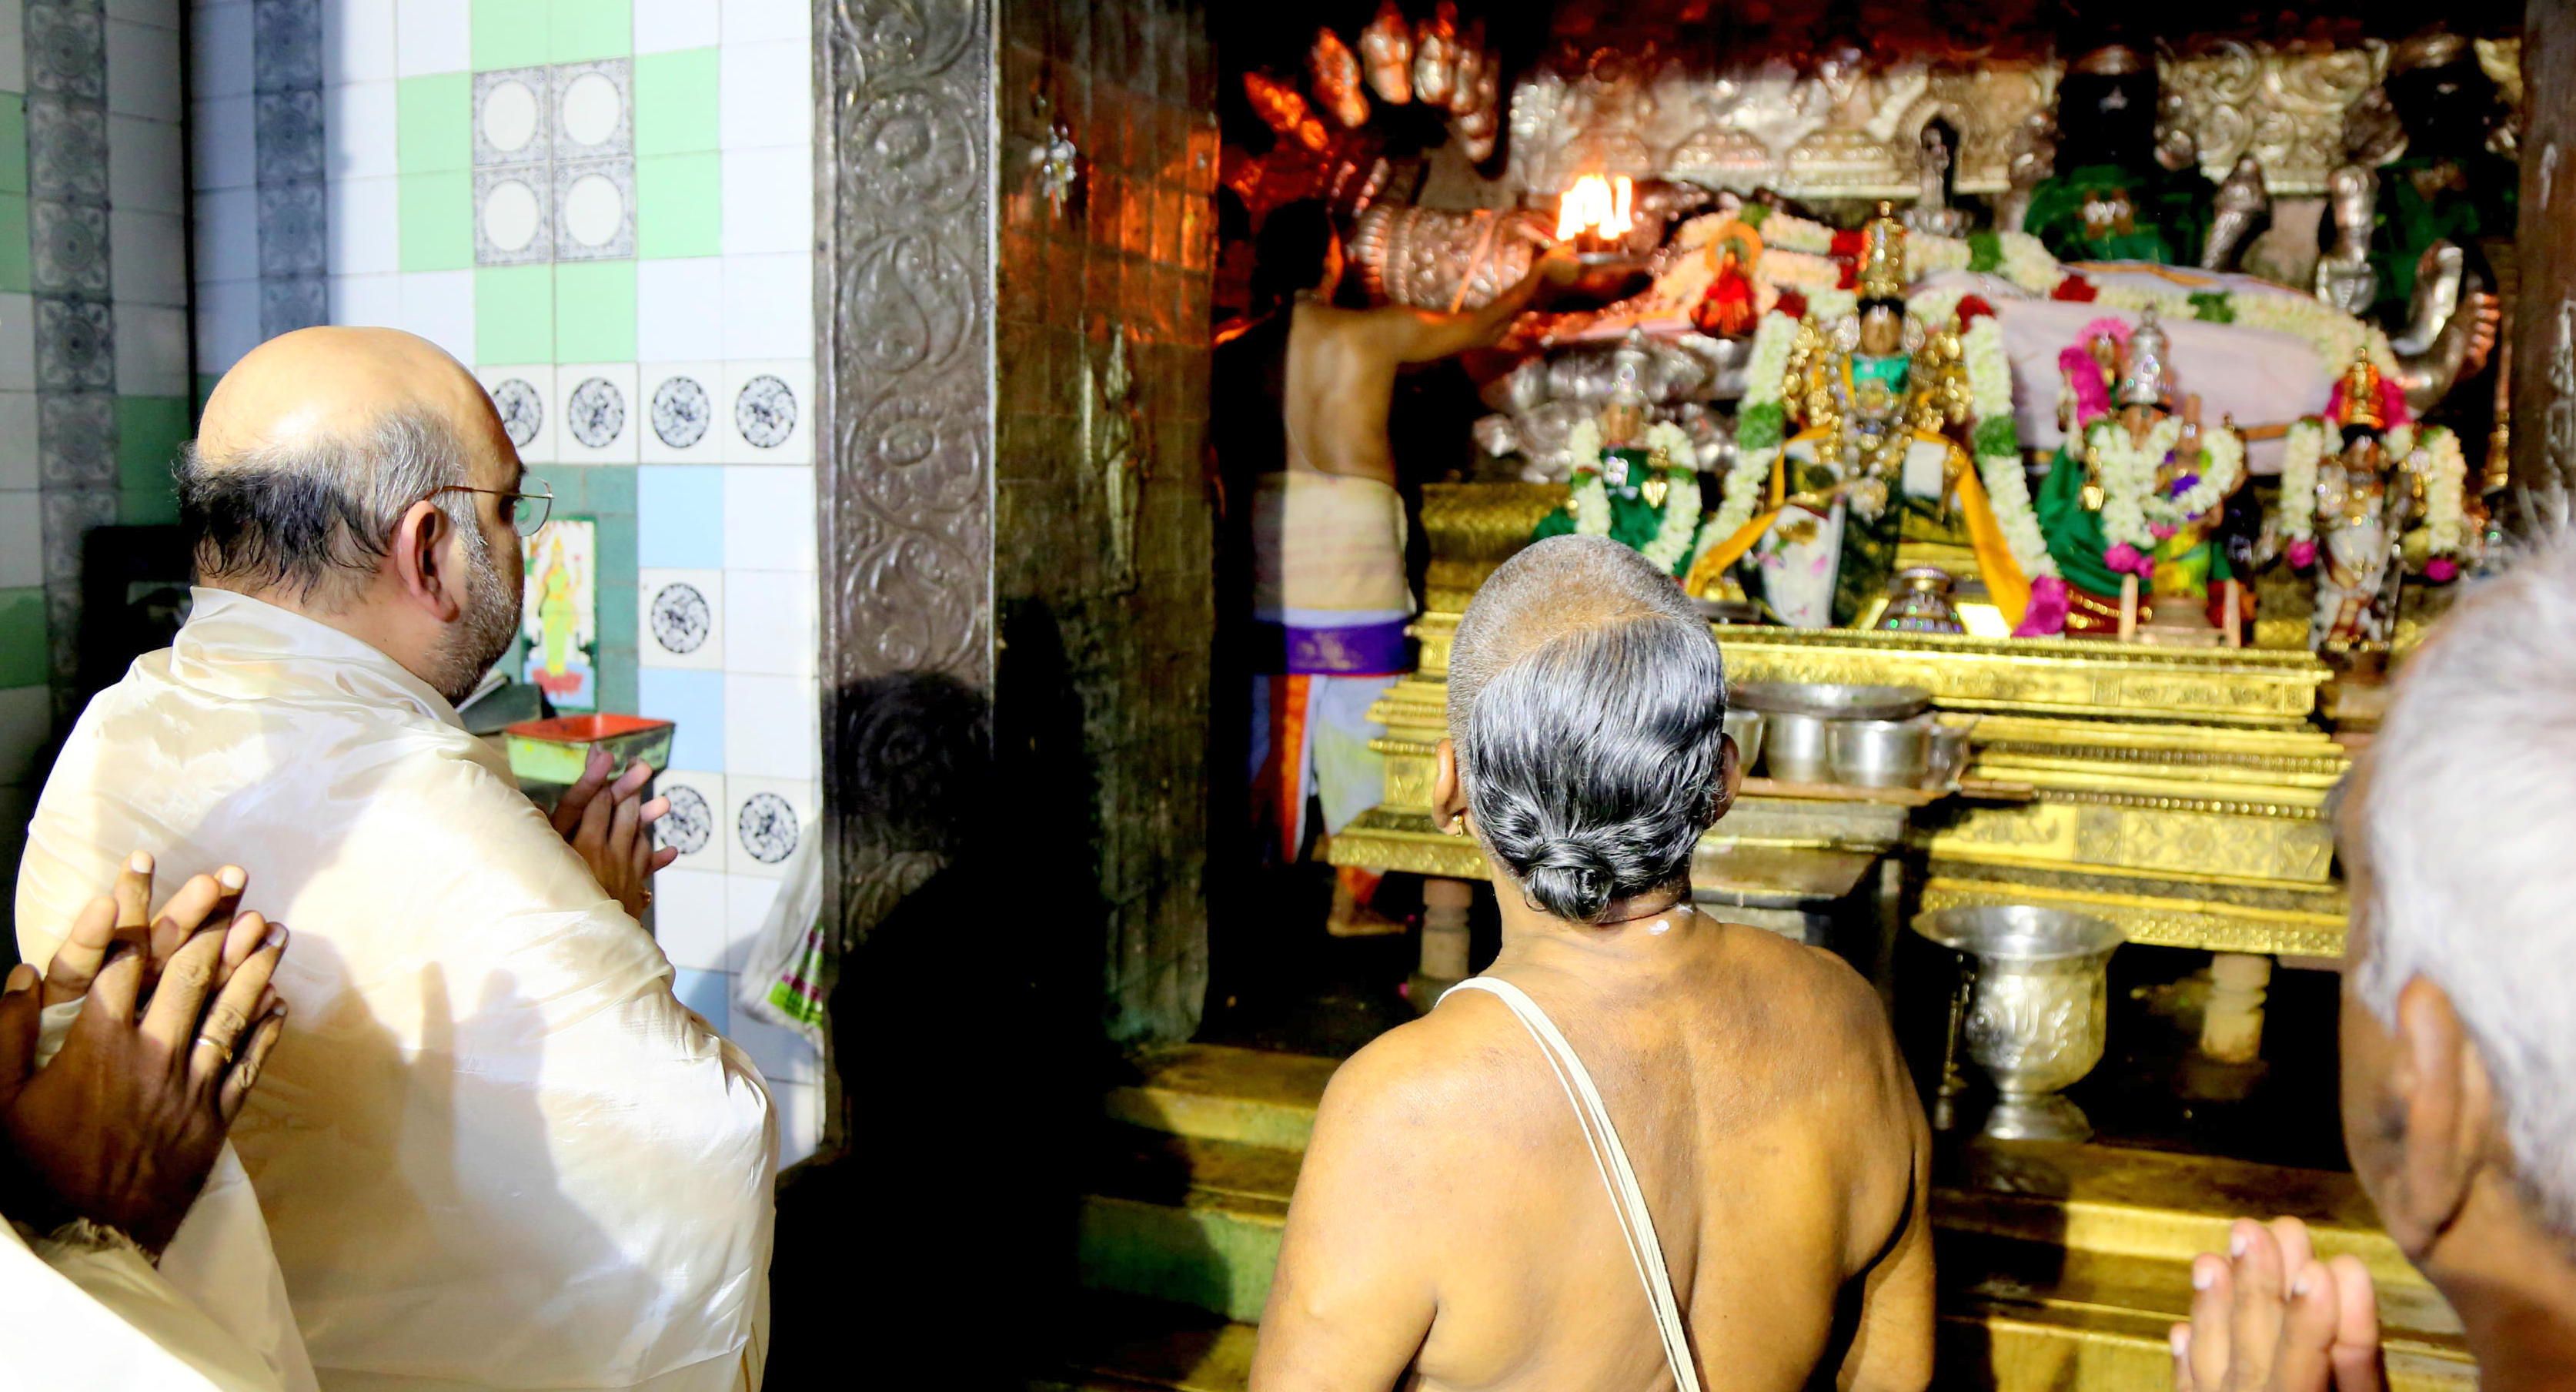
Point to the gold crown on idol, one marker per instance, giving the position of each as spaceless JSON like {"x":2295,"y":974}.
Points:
{"x":2361,"y":404}
{"x":1882,"y":256}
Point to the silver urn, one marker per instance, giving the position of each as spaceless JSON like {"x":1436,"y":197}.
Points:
{"x":2036,"y":1020}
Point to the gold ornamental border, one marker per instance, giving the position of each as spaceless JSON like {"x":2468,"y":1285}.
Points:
{"x":2210,"y":925}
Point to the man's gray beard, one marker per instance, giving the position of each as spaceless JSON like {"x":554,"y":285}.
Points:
{"x":484,"y":632}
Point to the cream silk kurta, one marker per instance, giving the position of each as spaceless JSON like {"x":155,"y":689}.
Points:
{"x":492,"y":1149}
{"x":102,"y":1320}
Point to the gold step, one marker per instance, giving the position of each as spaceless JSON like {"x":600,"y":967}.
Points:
{"x":1221,"y":1093}
{"x":2060,"y":1266}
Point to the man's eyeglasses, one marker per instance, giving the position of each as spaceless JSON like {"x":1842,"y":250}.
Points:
{"x":526,"y":512}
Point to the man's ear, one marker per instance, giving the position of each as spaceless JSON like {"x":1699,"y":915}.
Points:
{"x":2440,"y":1091}
{"x":421,"y":572}
{"x":1730,"y":777}
{"x":1448,"y":797}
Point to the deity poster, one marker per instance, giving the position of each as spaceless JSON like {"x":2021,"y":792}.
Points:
{"x":559,"y":613}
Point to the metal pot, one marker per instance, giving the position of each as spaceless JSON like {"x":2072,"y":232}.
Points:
{"x":1795,"y":749}
{"x":1834,"y":701}
{"x":1746,"y":726}
{"x":1880,"y":753}
{"x":2037,"y":1020}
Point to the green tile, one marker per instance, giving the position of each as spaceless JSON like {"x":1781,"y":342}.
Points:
{"x":679,"y":205}
{"x":514,"y":315}
{"x":145,"y":507}
{"x":675,"y":102}
{"x":434,"y":123}
{"x":617,"y":682}
{"x":14,"y":273}
{"x":594,"y":312}
{"x":588,"y":29}
{"x":616,"y":613}
{"x":611,"y":489}
{"x":511,"y":33}
{"x":22,"y":636}
{"x":617,"y":553}
{"x":435,"y":220}
{"x":149,"y":431}
{"x":13,"y":143}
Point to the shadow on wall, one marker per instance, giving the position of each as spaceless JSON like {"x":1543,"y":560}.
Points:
{"x":966,"y":1035}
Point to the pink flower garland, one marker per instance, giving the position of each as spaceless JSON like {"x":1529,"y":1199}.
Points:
{"x":2092,"y":398}
{"x":2049,"y":605}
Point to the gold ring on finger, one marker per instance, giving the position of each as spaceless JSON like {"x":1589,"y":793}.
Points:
{"x":219,"y":1046}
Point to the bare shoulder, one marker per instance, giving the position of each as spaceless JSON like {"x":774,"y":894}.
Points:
{"x":1446,"y":1076}
{"x":1783,"y":989}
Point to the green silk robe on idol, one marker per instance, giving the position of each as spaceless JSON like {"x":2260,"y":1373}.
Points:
{"x":2407,"y":221}
{"x":2169,"y":214}
{"x":2074,"y":532}
{"x":1634,"y":522}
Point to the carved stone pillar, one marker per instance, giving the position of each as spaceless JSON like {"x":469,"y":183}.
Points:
{"x":1011,"y":291}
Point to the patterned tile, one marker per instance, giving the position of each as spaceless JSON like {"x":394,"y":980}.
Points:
{"x":513,"y":117}
{"x":595,"y":209}
{"x":70,"y":513}
{"x":594,"y":109}
{"x":287,"y":127}
{"x":681,"y":618}
{"x":294,"y":230}
{"x":66,"y":47}
{"x":288,"y":303}
{"x":77,"y":431}
{"x":75,"y":345}
{"x":681,"y":412}
{"x":769,"y":408}
{"x":513,"y":216}
{"x":525,"y":397}
{"x":66,"y":149}
{"x":766,"y":817}
{"x":70,"y":249}
{"x":600,"y":416}
{"x":286,"y":45}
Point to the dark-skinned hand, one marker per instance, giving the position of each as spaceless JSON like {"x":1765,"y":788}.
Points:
{"x":611,"y":826}
{"x":2270,"y":1317}
{"x":123,"y":1124}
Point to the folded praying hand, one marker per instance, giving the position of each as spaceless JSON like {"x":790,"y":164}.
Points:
{"x":2271,"y":1317}
{"x":176,"y":1019}
{"x":611,"y":826}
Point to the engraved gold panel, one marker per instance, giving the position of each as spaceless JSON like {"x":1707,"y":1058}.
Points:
{"x":2117,"y":832}
{"x":2212,"y":925}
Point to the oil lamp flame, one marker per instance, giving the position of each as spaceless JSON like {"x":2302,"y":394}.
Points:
{"x":1596,"y":206}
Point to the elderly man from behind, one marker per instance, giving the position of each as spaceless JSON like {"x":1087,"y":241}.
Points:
{"x":1647,"y":1143}
{"x":492,"y":1148}
{"x":2459,"y":1023}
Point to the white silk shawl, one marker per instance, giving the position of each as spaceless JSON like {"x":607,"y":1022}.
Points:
{"x":102,"y":1320}
{"x":492,"y":1149}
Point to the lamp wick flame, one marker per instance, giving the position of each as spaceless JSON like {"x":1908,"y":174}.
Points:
{"x":1596,"y":205}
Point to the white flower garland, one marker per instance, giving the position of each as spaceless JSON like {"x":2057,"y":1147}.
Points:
{"x":2300,"y":452}
{"x":2445,"y":470}
{"x":1742,"y":490}
{"x":2128,"y":473}
{"x":1793,"y":233}
{"x":1926,"y":254}
{"x":1591,"y":495}
{"x":2007,"y":486}
{"x":2027,"y":263}
{"x":2336,"y":336}
{"x":1800,"y":270}
{"x":2222,"y":467}
{"x":1582,"y":446}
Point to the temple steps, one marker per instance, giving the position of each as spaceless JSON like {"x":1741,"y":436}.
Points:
{"x":2060,"y":1266}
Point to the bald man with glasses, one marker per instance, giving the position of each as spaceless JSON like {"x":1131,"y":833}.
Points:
{"x":492,"y":1149}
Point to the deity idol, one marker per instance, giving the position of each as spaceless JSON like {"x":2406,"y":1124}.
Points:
{"x":2139,"y":489}
{"x":1876,"y":393}
{"x":2116,"y":194}
{"x":1634,"y":481}
{"x":2353,"y":487}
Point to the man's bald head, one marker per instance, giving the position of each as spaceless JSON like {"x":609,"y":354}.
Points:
{"x":332,"y":385}
{"x":316,"y":443}
{"x":1587,"y":705}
